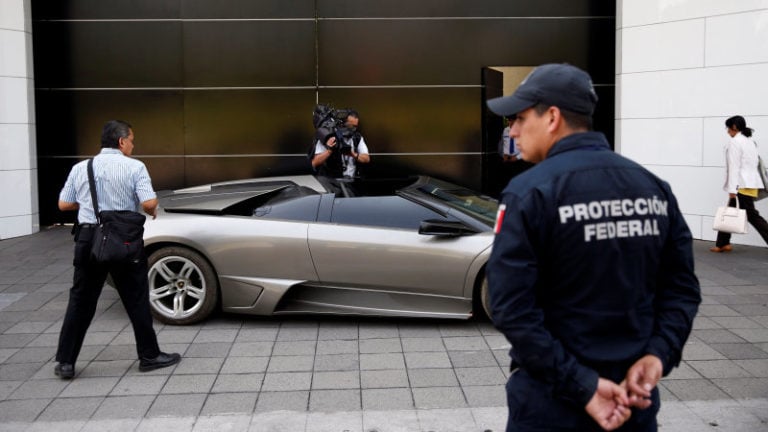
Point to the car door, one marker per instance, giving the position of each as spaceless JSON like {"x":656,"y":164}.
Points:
{"x":373,"y":242}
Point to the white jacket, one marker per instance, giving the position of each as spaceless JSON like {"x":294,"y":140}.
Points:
{"x":741,"y":165}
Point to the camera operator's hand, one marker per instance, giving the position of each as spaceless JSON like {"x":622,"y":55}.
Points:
{"x":331,"y":142}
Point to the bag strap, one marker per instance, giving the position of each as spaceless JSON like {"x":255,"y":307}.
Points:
{"x":92,"y":187}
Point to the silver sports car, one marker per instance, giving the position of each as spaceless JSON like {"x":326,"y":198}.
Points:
{"x":307,"y":245}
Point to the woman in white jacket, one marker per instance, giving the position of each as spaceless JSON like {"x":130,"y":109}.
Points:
{"x":742,"y":180}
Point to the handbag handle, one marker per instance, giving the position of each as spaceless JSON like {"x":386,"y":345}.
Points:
{"x":737,"y":202}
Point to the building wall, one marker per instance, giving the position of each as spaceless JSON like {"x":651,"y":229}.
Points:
{"x":682,"y":68}
{"x":18,"y":156}
{"x":220,"y":90}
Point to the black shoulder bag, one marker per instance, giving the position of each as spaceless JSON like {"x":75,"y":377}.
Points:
{"x":118,"y":237}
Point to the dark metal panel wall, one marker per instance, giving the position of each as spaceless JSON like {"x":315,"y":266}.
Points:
{"x":224,"y":89}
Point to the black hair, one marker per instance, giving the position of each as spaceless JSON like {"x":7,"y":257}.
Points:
{"x":352,"y":113}
{"x":573,"y":120}
{"x":113,"y":131}
{"x":738,"y":123}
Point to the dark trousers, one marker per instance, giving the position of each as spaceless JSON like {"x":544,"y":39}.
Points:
{"x":534,"y":408}
{"x":132,"y":285}
{"x":753,"y":216}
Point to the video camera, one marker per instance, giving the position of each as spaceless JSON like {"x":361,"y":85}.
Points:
{"x":331,"y":122}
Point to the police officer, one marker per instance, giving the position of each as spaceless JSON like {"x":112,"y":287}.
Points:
{"x":122,"y":183}
{"x":591,"y":275}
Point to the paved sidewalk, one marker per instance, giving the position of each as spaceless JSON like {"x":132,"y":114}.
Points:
{"x":243,"y":373}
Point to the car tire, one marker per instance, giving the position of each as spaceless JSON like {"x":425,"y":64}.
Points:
{"x":485,"y":299}
{"x":183,"y":287}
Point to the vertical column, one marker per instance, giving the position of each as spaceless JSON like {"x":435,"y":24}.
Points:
{"x":18,"y":156}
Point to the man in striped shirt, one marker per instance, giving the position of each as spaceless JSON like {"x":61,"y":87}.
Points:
{"x":122,"y":183}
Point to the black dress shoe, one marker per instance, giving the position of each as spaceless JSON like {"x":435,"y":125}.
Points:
{"x":64,"y":370}
{"x":161,"y":361}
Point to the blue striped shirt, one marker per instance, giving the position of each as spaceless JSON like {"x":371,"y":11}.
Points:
{"x":122,"y":183}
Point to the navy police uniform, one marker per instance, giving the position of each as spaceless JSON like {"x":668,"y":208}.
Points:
{"x":591,"y":269}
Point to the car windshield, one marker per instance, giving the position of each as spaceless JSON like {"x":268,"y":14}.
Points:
{"x":462,"y":199}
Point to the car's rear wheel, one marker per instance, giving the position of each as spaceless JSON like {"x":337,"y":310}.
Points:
{"x":182,"y":286}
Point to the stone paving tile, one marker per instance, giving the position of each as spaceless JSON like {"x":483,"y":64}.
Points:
{"x":71,"y":409}
{"x":718,"y":368}
{"x":334,"y":400}
{"x":181,"y":384}
{"x":438,"y":397}
{"x":376,"y":346}
{"x":210,"y":349}
{"x":294,"y":348}
{"x":329,"y":347}
{"x":427,"y":360}
{"x":176,"y":336}
{"x":287,"y":381}
{"x":377,"y":331}
{"x":177,"y":405}
{"x":8,"y":387}
{"x":739,"y":351}
{"x":117,"y":352}
{"x":283,"y":400}
{"x":84,"y":387}
{"x":238,"y":383}
{"x":15,"y":340}
{"x":336,"y":380}
{"x":382,"y":361}
{"x":251,"y":349}
{"x":702,"y":323}
{"x":683,"y":371}
{"x":480,"y":376}
{"x":118,"y":407}
{"x":238,"y":365}
{"x":432,"y":378}
{"x":288,"y":334}
{"x":257,"y":335}
{"x":419,"y":330}
{"x":757,"y":368}
{"x":21,"y":410}
{"x":31,"y":355}
{"x":472,"y":358}
{"x":383,"y":378}
{"x":695,"y":389}
{"x":45,"y":340}
{"x":29,"y":327}
{"x":736,"y":322}
{"x":110,"y":368}
{"x":198,"y":365}
{"x":39,"y":389}
{"x":229,"y":403}
{"x":474,"y":343}
{"x":139,"y":385}
{"x":422,"y":345}
{"x":486,"y":396}
{"x":743,"y":388}
{"x":697,"y":350}
{"x":291,"y":363}
{"x":338,"y":331}
{"x":339,"y":362}
{"x":387,"y":399}
{"x":224,"y":335}
{"x":716,"y":336}
{"x":753,"y":335}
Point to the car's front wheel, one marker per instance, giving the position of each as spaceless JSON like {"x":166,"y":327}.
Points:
{"x":182,"y":286}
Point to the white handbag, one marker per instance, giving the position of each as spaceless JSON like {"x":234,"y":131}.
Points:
{"x":730,"y":219}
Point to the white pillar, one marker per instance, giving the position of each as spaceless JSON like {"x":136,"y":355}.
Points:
{"x":19,"y":213}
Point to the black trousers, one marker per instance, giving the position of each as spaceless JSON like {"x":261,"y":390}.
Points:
{"x":753,"y":217}
{"x":132,"y":285}
{"x":533,"y":407}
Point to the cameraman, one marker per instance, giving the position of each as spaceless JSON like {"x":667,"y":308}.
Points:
{"x":339,"y":160}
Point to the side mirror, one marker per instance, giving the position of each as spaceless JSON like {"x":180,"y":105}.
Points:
{"x":444,"y":228}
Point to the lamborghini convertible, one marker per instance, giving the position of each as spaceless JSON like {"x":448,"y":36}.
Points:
{"x":412,"y":247}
